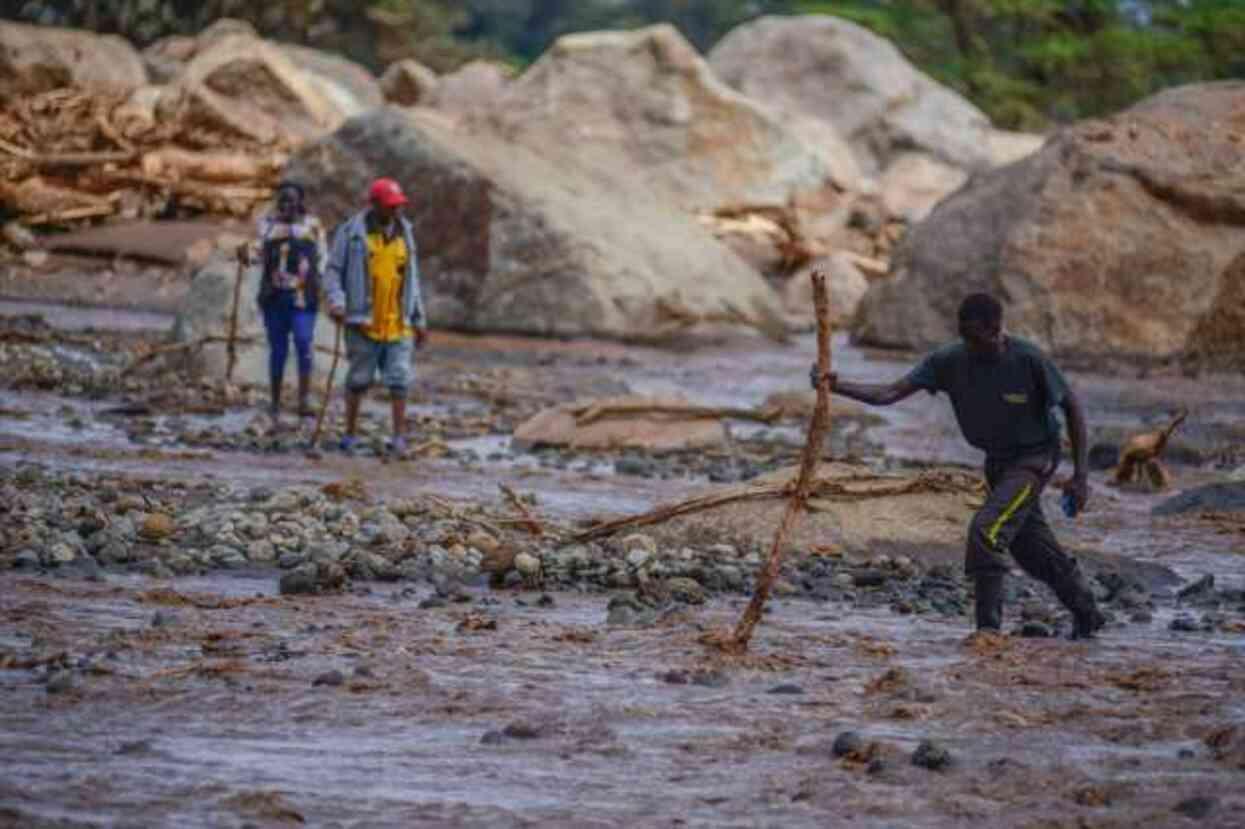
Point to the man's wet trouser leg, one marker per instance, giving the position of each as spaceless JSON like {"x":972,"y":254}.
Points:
{"x":1012,"y":492}
{"x":1037,"y":551}
{"x":1012,"y":519}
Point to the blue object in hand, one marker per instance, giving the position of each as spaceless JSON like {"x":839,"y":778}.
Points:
{"x":1069,"y":504}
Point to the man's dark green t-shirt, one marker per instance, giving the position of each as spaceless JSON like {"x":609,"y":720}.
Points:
{"x":1004,"y":406}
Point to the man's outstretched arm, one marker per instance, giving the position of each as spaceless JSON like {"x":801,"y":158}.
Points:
{"x":875,"y":394}
{"x":1074,"y":416}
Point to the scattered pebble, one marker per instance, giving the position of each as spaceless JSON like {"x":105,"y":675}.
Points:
{"x":331,"y":678}
{"x":930,"y":755}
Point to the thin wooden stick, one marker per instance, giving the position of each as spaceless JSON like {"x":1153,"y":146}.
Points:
{"x":738,"y":643}
{"x":328,"y":386}
{"x":191,"y":345}
{"x":174,"y":348}
{"x":231,"y":350}
{"x":527,"y":519}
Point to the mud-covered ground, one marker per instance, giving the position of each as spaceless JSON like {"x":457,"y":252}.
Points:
{"x":153,"y":675}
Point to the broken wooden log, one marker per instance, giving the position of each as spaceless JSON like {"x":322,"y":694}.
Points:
{"x":591,"y":413}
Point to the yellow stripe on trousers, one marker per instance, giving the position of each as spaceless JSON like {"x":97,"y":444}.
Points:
{"x":992,"y":534}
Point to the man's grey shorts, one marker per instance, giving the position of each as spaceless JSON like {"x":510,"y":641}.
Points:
{"x":368,"y":357}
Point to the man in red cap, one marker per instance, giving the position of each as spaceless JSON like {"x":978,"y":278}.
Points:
{"x":372,"y":287}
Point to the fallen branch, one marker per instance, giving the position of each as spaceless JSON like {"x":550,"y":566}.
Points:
{"x":191,"y":345}
{"x":822,"y":490}
{"x":591,"y":413}
{"x":803,"y":482}
{"x":528,"y":520}
{"x":177,"y":348}
{"x":665,"y":513}
{"x":70,"y":214}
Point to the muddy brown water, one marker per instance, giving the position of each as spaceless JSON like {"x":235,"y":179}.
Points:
{"x":214,"y":718}
{"x":552,"y":717}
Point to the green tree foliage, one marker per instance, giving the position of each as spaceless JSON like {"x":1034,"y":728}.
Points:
{"x":1029,"y":63}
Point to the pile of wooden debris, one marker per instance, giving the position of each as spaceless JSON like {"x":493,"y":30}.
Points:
{"x":69,"y":155}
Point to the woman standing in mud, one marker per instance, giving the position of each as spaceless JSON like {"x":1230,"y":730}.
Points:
{"x":291,"y":249}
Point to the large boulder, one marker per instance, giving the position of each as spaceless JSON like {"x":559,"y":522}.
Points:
{"x":651,"y":430}
{"x":839,"y":72}
{"x":1121,"y":238}
{"x":645,"y":105}
{"x":914,"y":183}
{"x":349,"y":85}
{"x":511,"y":242}
{"x":36,"y":59}
{"x":243,"y":86}
{"x":473,"y":89}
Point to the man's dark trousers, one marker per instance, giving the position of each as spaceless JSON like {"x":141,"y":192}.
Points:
{"x":1012,"y":520}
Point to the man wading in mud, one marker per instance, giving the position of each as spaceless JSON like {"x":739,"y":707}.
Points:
{"x":1003,"y":390}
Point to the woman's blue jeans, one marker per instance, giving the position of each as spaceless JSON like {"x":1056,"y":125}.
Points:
{"x":283,"y":321}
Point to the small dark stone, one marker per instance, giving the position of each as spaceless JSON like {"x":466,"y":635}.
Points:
{"x":1197,"y":807}
{"x":710,"y":678}
{"x":135,"y":747}
{"x":492,"y":738}
{"x":675,"y":677}
{"x":545,"y":600}
{"x":847,"y":743}
{"x":522,"y":731}
{"x":1204,"y":585}
{"x":638,"y":467}
{"x":1185,"y":624}
{"x":26,"y":559}
{"x":432,"y":603}
{"x":60,"y":682}
{"x":364,"y":671}
{"x":869,"y":578}
{"x":332,"y":679}
{"x":930,"y":755}
{"x":1142,"y":617}
{"x":163,"y":618}
{"x":1036,"y":630}
{"x":786,"y":688}
{"x":1186,"y":754}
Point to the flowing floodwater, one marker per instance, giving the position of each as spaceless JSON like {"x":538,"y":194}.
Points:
{"x":210,"y":701}
{"x":214,"y":716}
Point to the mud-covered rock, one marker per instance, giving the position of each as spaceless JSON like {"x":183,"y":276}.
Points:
{"x":645,"y":102}
{"x":833,"y":70}
{"x":1227,"y":496}
{"x":1167,"y":176}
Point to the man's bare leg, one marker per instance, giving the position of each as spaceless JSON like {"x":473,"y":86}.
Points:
{"x":353,"y":400}
{"x":397,"y":406}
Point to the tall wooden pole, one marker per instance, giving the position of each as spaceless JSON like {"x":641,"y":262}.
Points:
{"x":328,"y":386}
{"x":803,"y":483}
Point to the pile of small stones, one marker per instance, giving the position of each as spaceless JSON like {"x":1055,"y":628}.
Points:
{"x":320,"y":539}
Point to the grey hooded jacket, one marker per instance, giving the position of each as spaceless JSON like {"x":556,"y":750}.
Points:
{"x":348,"y":284}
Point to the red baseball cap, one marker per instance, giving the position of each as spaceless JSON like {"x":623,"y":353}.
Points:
{"x":387,"y":193}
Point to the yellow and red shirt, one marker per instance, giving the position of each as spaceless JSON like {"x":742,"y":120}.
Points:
{"x":387,"y":264}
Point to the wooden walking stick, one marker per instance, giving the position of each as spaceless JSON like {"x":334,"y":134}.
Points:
{"x":738,"y":641}
{"x":328,"y":386}
{"x":231,"y":349}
